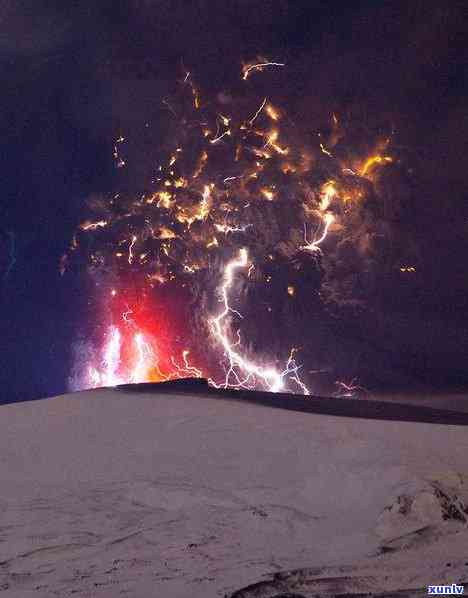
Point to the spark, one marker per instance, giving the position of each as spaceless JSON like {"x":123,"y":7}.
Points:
{"x":120,"y":161}
{"x":272,"y":113}
{"x":225,"y":228}
{"x":247,"y":69}
{"x":166,"y":233}
{"x":201,"y":165}
{"x":130,"y":249}
{"x":190,"y":268}
{"x":180,"y":182}
{"x":205,"y":203}
{"x":216,"y":139}
{"x":328,"y":192}
{"x":349,"y":389}
{"x":156,"y":277}
{"x":88,"y":225}
{"x":271,"y":142}
{"x":251,"y":121}
{"x":374,"y":160}
{"x":165,"y":199}
{"x":325,"y":151}
{"x":268,"y":194}
{"x":196,"y":97}
{"x":287,"y":169}
{"x":126,"y":314}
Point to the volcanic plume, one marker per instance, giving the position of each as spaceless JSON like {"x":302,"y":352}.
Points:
{"x":246,"y":229}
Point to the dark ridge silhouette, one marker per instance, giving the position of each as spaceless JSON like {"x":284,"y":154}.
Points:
{"x":311,"y":583}
{"x":181,"y":384}
{"x":368,"y":409}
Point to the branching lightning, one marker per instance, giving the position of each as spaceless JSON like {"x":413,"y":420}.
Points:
{"x":241,"y":372}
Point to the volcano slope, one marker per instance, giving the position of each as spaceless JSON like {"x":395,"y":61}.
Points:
{"x":181,"y":491}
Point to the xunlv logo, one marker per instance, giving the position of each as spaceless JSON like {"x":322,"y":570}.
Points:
{"x":453,"y":589}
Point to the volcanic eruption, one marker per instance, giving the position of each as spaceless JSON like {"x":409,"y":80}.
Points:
{"x":247,"y":227}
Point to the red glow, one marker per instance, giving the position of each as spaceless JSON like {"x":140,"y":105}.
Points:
{"x":143,"y":342}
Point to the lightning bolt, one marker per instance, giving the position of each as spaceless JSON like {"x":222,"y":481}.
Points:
{"x":241,"y":369}
{"x":111,"y":362}
{"x":146,"y":359}
{"x":315,"y":245}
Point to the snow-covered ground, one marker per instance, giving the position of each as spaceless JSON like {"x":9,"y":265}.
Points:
{"x":110,"y":493}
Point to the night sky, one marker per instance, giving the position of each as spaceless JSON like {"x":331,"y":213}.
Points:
{"x":76,"y":77}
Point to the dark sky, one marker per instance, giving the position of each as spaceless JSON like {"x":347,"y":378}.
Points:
{"x":76,"y":74}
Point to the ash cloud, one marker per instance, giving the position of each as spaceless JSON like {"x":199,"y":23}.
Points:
{"x":229,"y":179}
